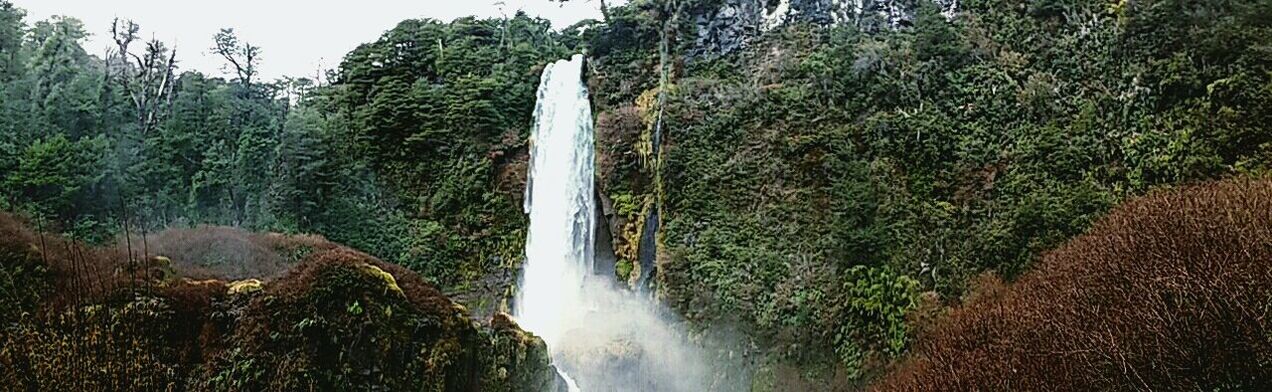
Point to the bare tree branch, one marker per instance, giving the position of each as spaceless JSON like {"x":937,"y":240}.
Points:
{"x":145,"y":77}
{"x":242,"y":56}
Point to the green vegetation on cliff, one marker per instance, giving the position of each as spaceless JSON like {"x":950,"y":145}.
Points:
{"x":816,"y":182}
{"x":442,"y":112}
{"x":1167,"y":292}
{"x":412,"y":150}
{"x":827,"y":190}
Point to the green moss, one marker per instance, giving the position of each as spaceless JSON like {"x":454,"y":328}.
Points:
{"x":390,"y":283}
{"x":627,"y":205}
{"x":246,"y":286}
{"x":623,"y":269}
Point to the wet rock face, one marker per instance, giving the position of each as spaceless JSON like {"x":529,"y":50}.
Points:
{"x":618,"y":365}
{"x":728,"y":27}
{"x":877,"y":15}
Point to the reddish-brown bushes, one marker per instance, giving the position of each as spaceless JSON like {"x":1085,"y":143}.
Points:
{"x":80,"y":317}
{"x":616,"y":132}
{"x":339,"y":319}
{"x":25,"y":276}
{"x":207,"y":252}
{"x":301,"y":280}
{"x":1169,"y":292}
{"x":342,"y":317}
{"x":75,"y":272}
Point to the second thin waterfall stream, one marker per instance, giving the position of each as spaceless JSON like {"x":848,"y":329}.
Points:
{"x":601,"y":337}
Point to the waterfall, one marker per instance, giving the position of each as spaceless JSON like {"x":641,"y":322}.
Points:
{"x":600,"y":337}
{"x":560,"y":202}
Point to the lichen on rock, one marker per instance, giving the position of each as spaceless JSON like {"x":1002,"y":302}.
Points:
{"x":390,"y":283}
{"x":246,"y":286}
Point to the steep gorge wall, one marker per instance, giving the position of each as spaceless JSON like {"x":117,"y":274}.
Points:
{"x":632,"y":78}
{"x":819,"y":183}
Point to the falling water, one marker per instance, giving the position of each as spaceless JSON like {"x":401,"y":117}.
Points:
{"x":560,"y":202}
{"x":601,"y":337}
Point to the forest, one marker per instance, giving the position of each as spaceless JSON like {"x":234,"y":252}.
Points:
{"x":989,"y":195}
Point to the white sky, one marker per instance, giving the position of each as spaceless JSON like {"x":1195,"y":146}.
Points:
{"x":297,"y":37}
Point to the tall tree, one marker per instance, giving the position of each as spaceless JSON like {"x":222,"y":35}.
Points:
{"x":242,"y":56}
{"x":12,"y":69}
{"x":147,"y":78}
{"x":57,"y":177}
{"x":12,"y":28}
{"x":64,"y":85}
{"x":255,"y":116}
{"x":303,"y":177}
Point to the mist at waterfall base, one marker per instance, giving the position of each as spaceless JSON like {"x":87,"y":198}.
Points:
{"x":602,"y":337}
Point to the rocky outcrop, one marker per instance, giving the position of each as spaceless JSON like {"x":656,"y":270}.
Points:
{"x":605,"y":259}
{"x":729,"y":26}
{"x":338,"y":319}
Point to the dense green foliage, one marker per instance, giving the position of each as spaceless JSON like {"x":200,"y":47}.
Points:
{"x":441,"y":112}
{"x":83,"y":149}
{"x":815,"y":182}
{"x":809,"y":189}
{"x":413,"y":150}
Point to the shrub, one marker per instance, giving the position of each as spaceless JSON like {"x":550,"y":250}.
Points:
{"x":80,"y":318}
{"x":213,"y":252}
{"x":1168,"y":292}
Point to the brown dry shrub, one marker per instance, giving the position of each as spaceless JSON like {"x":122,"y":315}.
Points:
{"x":200,"y":327}
{"x":77,"y":273}
{"x":92,"y":348}
{"x":208,"y":252}
{"x":25,"y":276}
{"x":1168,"y":292}
{"x":96,"y":320}
{"x":617,"y":133}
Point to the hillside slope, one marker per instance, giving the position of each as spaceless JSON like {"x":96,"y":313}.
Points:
{"x":814,"y":183}
{"x":1168,"y":292}
{"x":83,"y":318}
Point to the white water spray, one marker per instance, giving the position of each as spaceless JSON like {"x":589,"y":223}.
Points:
{"x":601,"y":337}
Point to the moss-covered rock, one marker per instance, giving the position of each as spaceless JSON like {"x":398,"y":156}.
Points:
{"x":246,"y":286}
{"x":357,"y":323}
{"x":339,"y":320}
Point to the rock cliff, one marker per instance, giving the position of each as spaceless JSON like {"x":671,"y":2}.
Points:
{"x":727,"y":26}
